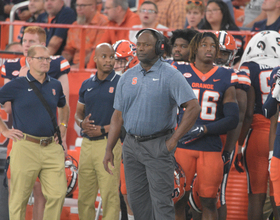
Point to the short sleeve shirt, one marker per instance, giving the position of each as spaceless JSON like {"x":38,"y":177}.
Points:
{"x":65,"y":16}
{"x":98,"y":97}
{"x":149,"y":100}
{"x":29,"y":114}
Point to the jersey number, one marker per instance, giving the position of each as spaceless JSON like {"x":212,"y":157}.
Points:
{"x":208,"y":108}
{"x":264,"y":77}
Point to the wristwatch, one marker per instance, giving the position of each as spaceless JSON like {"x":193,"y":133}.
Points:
{"x":102,"y":129}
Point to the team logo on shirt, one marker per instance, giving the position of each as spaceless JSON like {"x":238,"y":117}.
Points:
{"x":134,"y":81}
{"x":111,"y":89}
{"x":53,"y":92}
{"x":261,"y":45}
{"x":187,"y":75}
{"x":15,"y":73}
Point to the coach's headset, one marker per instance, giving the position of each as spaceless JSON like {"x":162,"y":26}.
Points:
{"x":159,"y":47}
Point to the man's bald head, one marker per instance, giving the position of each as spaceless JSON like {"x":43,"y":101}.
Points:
{"x":104,"y":58}
{"x":101,"y":47}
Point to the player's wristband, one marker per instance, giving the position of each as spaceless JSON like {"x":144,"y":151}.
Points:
{"x":65,"y":125}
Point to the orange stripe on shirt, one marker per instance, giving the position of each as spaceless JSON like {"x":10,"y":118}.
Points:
{"x":3,"y":70}
{"x":234,"y":78}
{"x":64,"y":64}
{"x":245,"y":69}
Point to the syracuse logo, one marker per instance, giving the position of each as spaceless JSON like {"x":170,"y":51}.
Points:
{"x":134,"y":80}
{"x":111,"y":89}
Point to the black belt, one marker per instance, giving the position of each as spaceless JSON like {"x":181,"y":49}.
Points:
{"x":151,"y":137}
{"x":98,"y":138}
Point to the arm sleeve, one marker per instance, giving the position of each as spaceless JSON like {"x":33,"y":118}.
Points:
{"x":270,"y":106}
{"x":229,"y":122}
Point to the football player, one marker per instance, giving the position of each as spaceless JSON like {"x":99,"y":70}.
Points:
{"x":225,"y":58}
{"x":180,"y":41}
{"x":270,"y":109}
{"x":260,"y":57}
{"x":199,"y":151}
{"x":125,"y":55}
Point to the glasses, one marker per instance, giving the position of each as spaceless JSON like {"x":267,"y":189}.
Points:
{"x":42,"y":59}
{"x":149,"y":11}
{"x":82,"y":6}
{"x":212,"y":11}
{"x":194,"y":2}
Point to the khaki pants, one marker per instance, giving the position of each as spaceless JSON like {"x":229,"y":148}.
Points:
{"x":92,"y":176}
{"x":28,"y":161}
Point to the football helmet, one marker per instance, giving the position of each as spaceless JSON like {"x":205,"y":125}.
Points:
{"x":179,"y":183}
{"x":71,"y":170}
{"x":227,"y":43}
{"x":126,"y":50}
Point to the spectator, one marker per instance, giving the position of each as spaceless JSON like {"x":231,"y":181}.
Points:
{"x":36,"y":7}
{"x":56,"y":13}
{"x":217,"y":17}
{"x":14,"y":47}
{"x":119,"y":15}
{"x":253,"y":13}
{"x":22,"y":14}
{"x":148,"y":14}
{"x":228,"y":3}
{"x":86,"y":15}
{"x":195,"y":13}
{"x":171,"y":13}
{"x":272,"y":10}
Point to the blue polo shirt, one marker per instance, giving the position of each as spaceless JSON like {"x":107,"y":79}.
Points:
{"x":65,"y":16}
{"x":29,"y":114}
{"x":261,"y":25}
{"x":98,"y":98}
{"x":149,"y":100}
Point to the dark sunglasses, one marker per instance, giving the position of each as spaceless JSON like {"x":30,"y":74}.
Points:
{"x":195,"y":2}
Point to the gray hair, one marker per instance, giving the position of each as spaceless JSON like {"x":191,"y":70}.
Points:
{"x":32,"y":50}
{"x":122,"y":3}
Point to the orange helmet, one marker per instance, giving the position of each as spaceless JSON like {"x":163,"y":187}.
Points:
{"x":227,"y":43}
{"x":125,"y":49}
{"x":179,"y":183}
{"x":71,"y":170}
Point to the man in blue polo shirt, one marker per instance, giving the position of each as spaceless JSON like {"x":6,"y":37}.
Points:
{"x":93,"y":114}
{"x":56,"y":13}
{"x":272,"y":22}
{"x":146,"y":103}
{"x":36,"y":153}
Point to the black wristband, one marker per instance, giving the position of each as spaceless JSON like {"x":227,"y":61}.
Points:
{"x":102,"y":129}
